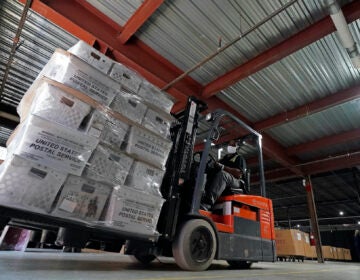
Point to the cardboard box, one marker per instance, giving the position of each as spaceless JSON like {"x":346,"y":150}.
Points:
{"x":158,"y":122}
{"x":53,"y":145}
{"x":53,"y":103}
{"x":313,"y":254}
{"x":334,"y":253}
{"x":328,"y":252}
{"x":82,"y":199}
{"x":154,"y":96}
{"x":126,"y":77}
{"x":129,"y":106}
{"x":307,"y":247}
{"x":289,"y":242}
{"x":70,"y":70}
{"x":148,"y":147}
{"x":91,"y":56}
{"x":28,"y":185}
{"x":347,"y":254}
{"x":132,"y":211}
{"x":108,"y":166}
{"x":145,"y":178}
{"x":340,"y":254}
{"x":108,"y":129}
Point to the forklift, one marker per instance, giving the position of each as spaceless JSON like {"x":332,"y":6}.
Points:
{"x":239,"y":229}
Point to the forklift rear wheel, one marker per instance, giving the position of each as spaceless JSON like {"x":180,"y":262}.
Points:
{"x":143,"y":258}
{"x":240,"y":264}
{"x":195,"y":245}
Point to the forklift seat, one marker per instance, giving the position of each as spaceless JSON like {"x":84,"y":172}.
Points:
{"x":244,"y":185}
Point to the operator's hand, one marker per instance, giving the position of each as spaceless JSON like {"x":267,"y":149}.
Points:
{"x":237,"y":173}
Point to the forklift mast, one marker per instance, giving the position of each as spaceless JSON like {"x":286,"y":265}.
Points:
{"x":183,"y":135}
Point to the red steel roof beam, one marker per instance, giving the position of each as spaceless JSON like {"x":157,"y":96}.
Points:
{"x":141,"y":15}
{"x":274,"y":150}
{"x":99,"y":14}
{"x":310,"y":108}
{"x":84,"y":24}
{"x":325,"y":142}
{"x":338,"y":162}
{"x":296,"y":42}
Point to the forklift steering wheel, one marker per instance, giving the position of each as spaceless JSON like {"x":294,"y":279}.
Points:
{"x":210,"y":163}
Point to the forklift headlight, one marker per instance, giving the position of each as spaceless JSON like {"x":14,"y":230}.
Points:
{"x":208,"y":117}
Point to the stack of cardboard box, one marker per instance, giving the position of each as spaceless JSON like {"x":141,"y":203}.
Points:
{"x":92,"y":144}
{"x":347,"y":255}
{"x":289,"y":242}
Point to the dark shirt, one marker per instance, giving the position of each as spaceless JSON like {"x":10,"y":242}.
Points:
{"x":234,"y":161}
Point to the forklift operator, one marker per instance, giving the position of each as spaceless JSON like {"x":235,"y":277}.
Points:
{"x":225,"y":176}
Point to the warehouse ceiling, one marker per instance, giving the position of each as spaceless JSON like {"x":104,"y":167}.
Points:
{"x":289,"y":78}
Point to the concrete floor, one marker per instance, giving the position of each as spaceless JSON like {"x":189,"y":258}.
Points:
{"x":56,"y":265}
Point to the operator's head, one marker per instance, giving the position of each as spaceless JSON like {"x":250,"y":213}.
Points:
{"x":232,"y":147}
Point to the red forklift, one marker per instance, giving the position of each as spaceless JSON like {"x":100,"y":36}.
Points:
{"x":239,"y":229}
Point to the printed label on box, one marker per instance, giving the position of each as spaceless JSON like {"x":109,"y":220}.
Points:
{"x":55,"y":146}
{"x":133,"y":212}
{"x":68,"y":205}
{"x":298,"y":236}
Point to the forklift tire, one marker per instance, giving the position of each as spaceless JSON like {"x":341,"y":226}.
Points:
{"x":142,"y":258}
{"x":194,"y":247}
{"x":240,"y":264}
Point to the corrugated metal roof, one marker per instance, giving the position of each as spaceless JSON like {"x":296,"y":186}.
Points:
{"x":39,"y":39}
{"x":118,"y":11}
{"x":341,"y":118}
{"x":318,"y":70}
{"x":185,"y":32}
{"x":333,"y":151}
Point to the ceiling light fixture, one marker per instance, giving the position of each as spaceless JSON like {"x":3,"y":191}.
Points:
{"x":341,"y":213}
{"x":343,"y":32}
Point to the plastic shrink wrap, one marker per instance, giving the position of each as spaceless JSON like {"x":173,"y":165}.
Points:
{"x":157,"y":122}
{"x":53,"y":103}
{"x":153,"y":95}
{"x":108,"y":166}
{"x":145,"y":178}
{"x":133,"y":211}
{"x":82,"y":199}
{"x":129,"y":105}
{"x":53,"y":145}
{"x":109,"y":130}
{"x":70,"y":70}
{"x":74,"y":157}
{"x":126,"y":77}
{"x":28,"y":185}
{"x":91,"y":56}
{"x":148,"y":147}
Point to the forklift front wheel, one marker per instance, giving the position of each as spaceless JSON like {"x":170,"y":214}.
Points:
{"x":194,"y":247}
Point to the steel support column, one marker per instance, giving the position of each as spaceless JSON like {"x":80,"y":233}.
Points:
{"x":313,"y":218}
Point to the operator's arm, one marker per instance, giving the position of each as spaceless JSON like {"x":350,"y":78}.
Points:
{"x":237,"y":173}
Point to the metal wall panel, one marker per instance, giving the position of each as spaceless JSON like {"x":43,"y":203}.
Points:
{"x":38,"y":41}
